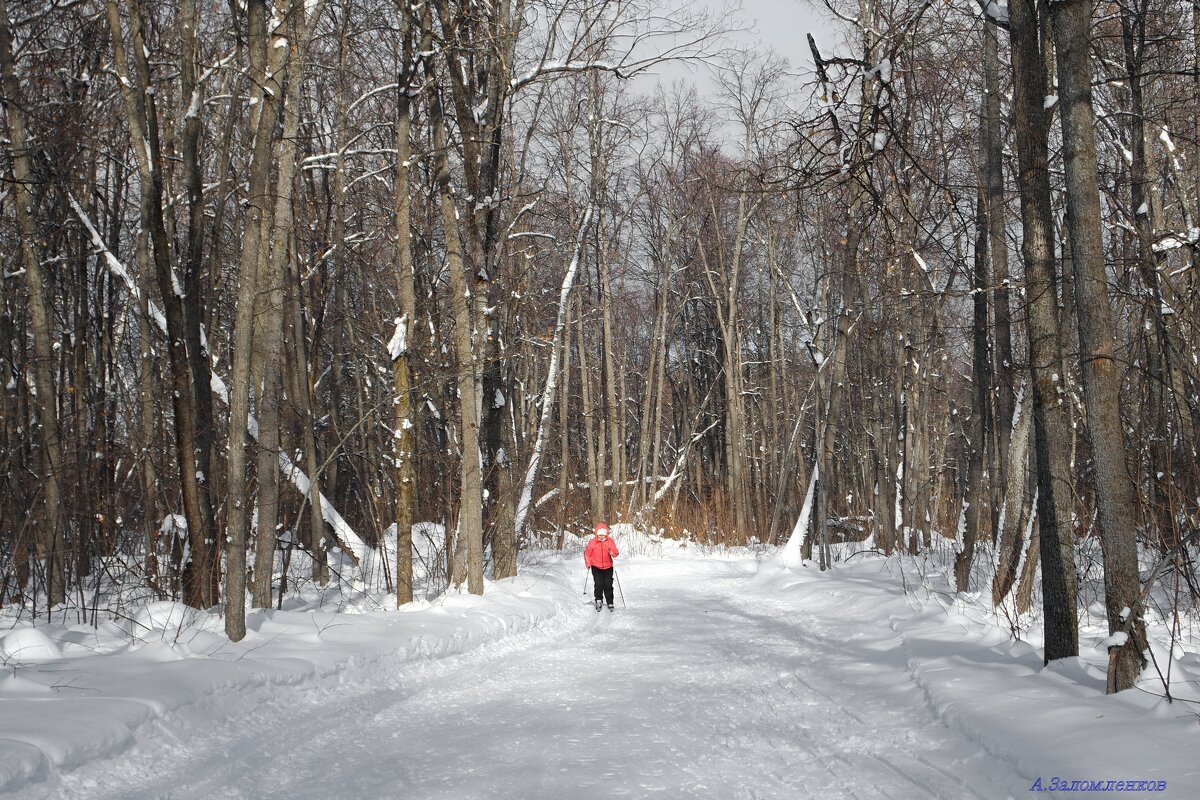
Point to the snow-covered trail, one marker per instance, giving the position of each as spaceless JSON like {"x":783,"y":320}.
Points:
{"x":693,"y":691}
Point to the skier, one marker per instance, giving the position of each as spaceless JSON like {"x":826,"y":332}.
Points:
{"x":598,"y":556}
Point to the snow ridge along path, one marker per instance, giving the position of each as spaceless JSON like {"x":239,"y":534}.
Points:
{"x":720,"y":680}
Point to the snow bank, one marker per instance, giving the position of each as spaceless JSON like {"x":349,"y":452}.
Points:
{"x":71,"y":694}
{"x":653,"y":545}
{"x":29,"y":645}
{"x":1048,"y":721}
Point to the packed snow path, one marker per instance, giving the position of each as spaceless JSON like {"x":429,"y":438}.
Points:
{"x":691,"y":691}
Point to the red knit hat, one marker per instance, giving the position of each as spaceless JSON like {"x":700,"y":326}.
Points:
{"x":601,"y":528}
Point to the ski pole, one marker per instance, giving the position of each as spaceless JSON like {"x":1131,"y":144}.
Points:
{"x":619,"y":589}
{"x":586,"y":574}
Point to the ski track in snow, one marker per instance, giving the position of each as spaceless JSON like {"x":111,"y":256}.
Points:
{"x":691,"y":692}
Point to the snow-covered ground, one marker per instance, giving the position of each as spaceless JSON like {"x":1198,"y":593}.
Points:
{"x":724,"y":675}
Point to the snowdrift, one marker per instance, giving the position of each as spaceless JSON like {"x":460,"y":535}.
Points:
{"x":70,"y":694}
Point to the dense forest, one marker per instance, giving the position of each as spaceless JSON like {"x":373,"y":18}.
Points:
{"x":282,"y":279}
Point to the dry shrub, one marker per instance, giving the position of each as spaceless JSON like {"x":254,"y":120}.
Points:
{"x":711,"y":521}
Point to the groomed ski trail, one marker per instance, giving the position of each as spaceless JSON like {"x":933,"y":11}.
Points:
{"x":693,"y":691}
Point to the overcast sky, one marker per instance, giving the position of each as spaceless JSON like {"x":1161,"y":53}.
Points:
{"x":783,"y":25}
{"x":780,"y":25}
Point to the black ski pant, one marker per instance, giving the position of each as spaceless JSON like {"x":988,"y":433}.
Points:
{"x":603,"y":579}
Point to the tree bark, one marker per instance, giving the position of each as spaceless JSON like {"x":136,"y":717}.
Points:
{"x":404,"y":410}
{"x":1052,"y":427}
{"x":1160,"y":380}
{"x":201,"y":573}
{"x":564,"y":434}
{"x":588,"y":409}
{"x":1010,"y":543}
{"x":267,"y":366}
{"x":51,"y":535}
{"x":193,"y":301}
{"x":981,"y":421}
{"x":551,"y":389}
{"x":470,"y":509}
{"x":997,"y":240}
{"x":303,"y":392}
{"x":1116,"y":503}
{"x":254,"y":242}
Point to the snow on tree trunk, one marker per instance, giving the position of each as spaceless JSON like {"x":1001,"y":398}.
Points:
{"x":549,"y":392}
{"x":790,"y":556}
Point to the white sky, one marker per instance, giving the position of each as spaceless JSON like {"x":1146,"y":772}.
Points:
{"x":783,"y":26}
{"x":779,"y":25}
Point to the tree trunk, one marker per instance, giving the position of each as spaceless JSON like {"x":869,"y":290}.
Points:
{"x":51,"y":536}
{"x":564,"y":435}
{"x":152,"y":508}
{"x":254,"y":243}
{"x":1159,"y":379}
{"x":193,"y":302}
{"x":304,"y":395}
{"x":827,"y":421}
{"x":551,"y":389}
{"x":588,"y":409}
{"x":404,"y":410}
{"x":981,"y":421}
{"x":1052,"y":426}
{"x":997,"y":240}
{"x":200,"y":583}
{"x":1116,"y":503}
{"x":268,"y":342}
{"x":1010,"y":543}
{"x":646,"y":469}
{"x":470,"y":510}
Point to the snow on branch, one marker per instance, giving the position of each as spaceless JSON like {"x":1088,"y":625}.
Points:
{"x":553,"y":68}
{"x":790,"y":555}
{"x":310,"y":161}
{"x":368,"y":95}
{"x":677,"y":470}
{"x":115,"y":266}
{"x":995,"y":11}
{"x":346,"y":537}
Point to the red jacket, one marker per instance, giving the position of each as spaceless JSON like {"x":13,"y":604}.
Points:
{"x":600,"y":554}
